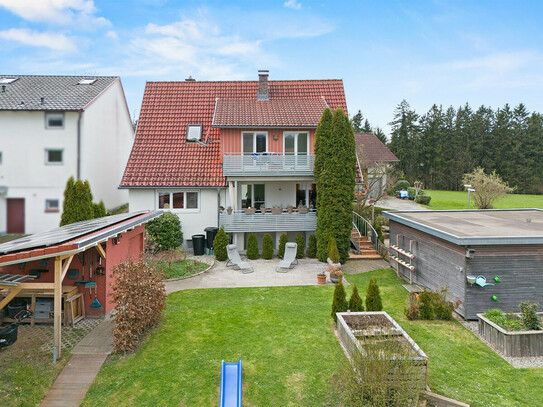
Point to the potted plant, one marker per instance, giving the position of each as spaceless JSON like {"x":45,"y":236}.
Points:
{"x":321,"y":277}
{"x":290,"y":208}
{"x":303,"y":209}
{"x":250,"y":211}
{"x":263,"y":208}
{"x":276,"y":210}
{"x":229,"y":210}
{"x":335,"y":274}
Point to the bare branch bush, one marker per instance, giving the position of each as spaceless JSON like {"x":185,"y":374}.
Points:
{"x":488,"y":187}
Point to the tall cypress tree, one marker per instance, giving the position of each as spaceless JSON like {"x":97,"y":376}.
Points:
{"x":335,"y":172}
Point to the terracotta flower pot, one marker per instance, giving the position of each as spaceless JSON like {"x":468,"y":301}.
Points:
{"x":321,"y":278}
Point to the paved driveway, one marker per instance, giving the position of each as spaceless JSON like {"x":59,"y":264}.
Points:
{"x":391,"y":202}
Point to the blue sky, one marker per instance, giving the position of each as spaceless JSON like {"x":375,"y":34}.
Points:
{"x":443,"y":52}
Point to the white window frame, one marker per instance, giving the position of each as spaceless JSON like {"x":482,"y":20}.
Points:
{"x":49,"y":114}
{"x":254,"y":133}
{"x":184,"y":191}
{"x":47,"y":162}
{"x":296,"y":134}
{"x":48,"y":207}
{"x":200,"y":126}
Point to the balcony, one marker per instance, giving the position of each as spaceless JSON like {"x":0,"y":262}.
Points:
{"x":267,"y":164}
{"x":238,"y":221}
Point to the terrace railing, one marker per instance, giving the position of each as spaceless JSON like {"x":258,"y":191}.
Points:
{"x":238,"y":221}
{"x":267,"y":164}
{"x":365,"y":228}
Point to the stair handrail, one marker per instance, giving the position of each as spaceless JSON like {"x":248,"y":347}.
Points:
{"x":359,"y":222}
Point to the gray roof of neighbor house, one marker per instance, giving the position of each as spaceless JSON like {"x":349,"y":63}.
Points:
{"x":60,"y":93}
{"x":374,"y":151}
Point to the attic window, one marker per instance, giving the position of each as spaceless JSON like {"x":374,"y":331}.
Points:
{"x":194,"y":132}
{"x":86,"y":81}
{"x":5,"y":81}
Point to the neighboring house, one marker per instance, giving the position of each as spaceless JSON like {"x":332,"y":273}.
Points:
{"x":484,"y":258}
{"x":201,"y":146}
{"x":52,"y":128}
{"x":374,"y":159}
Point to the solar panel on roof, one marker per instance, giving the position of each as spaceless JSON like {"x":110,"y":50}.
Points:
{"x":65,"y":233}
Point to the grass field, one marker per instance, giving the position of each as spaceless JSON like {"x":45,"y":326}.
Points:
{"x":290,"y":354}
{"x":459,"y":200}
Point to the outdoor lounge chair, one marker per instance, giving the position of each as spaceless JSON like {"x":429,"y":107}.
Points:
{"x":234,"y":259}
{"x":288,"y":259}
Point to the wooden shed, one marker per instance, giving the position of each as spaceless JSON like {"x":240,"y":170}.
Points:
{"x":485,"y":258}
{"x":66,"y":273}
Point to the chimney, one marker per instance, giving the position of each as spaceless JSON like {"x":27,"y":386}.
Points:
{"x":190,"y":79}
{"x":3,"y":88}
{"x":42,"y":101}
{"x":262,"y":93}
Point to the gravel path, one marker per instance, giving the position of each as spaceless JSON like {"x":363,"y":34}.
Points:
{"x":518,"y":363}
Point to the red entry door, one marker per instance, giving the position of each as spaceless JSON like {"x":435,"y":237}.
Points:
{"x":16,"y":215}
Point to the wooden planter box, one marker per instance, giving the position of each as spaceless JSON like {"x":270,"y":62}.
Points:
{"x":353,"y":339}
{"x":511,"y":343}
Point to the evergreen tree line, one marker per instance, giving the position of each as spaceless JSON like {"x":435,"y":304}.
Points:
{"x":78,"y":203}
{"x":443,"y":144}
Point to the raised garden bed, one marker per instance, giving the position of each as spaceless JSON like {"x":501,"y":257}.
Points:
{"x":364,"y":332}
{"x":511,"y":343}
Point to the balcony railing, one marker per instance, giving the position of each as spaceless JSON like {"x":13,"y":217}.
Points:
{"x":267,"y":164}
{"x":238,"y":221}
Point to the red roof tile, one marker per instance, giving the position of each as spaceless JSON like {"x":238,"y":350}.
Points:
{"x":373,"y":150}
{"x":268,"y":113}
{"x":161,"y":157}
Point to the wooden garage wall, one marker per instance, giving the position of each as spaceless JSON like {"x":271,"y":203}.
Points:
{"x":438,"y":263}
{"x":520,"y":268}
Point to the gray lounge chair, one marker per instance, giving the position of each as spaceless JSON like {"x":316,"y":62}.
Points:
{"x":234,"y":259}
{"x":288,"y":259}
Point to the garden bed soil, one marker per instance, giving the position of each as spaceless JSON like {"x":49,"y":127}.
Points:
{"x":359,"y":322}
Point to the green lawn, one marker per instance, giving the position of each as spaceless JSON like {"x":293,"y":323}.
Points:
{"x":459,"y":200}
{"x":179,"y":269}
{"x":284,"y":336}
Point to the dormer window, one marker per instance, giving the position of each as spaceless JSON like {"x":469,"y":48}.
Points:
{"x":5,"y":81}
{"x":194,"y":132}
{"x":88,"y":81}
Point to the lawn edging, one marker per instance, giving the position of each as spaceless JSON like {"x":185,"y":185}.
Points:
{"x":194,"y":275}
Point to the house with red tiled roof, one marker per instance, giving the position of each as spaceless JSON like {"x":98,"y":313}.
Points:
{"x":374,"y":158}
{"x":237,"y":154}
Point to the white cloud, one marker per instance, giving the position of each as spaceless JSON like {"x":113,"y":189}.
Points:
{"x":112,"y":35}
{"x":54,"y":41}
{"x":63,"y":12}
{"x":293,"y":4}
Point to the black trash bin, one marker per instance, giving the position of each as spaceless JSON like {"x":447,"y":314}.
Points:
{"x":198,"y":242}
{"x":211,"y":232}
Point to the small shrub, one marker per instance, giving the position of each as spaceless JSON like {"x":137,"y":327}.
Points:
{"x":267,"y":246}
{"x":412,"y":310}
{"x":219,"y":245}
{"x":252,"y":247}
{"x":423,"y":199}
{"x":379,"y":231}
{"x":339,"y":303}
{"x":411,"y":193}
{"x":165,"y":232}
{"x":355,"y":302}
{"x":140,"y":296}
{"x":426,"y":306}
{"x":300,"y":242}
{"x":529,"y":316}
{"x":332,"y":251}
{"x":283,"y":240}
{"x":402,"y":185}
{"x":373,"y":296}
{"x":99,"y":209}
{"x":312,"y":247}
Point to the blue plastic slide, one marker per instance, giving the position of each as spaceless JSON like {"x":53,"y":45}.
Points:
{"x":231,"y":381}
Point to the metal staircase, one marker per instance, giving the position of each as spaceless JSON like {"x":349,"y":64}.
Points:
{"x":364,"y":239}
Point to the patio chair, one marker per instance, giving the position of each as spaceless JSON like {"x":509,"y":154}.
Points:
{"x":234,"y":259}
{"x":288,"y":259}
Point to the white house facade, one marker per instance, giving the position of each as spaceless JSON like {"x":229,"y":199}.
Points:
{"x":52,"y":128}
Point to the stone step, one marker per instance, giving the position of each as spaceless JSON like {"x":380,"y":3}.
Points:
{"x":354,"y":256}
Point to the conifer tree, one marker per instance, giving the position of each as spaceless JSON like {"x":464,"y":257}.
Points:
{"x":219,"y":245}
{"x":267,"y":246}
{"x":355,"y":302}
{"x":339,"y":303}
{"x":311,"y":247}
{"x":373,"y":296}
{"x":283,"y":240}
{"x":252,"y":247}
{"x":67,"y":206}
{"x":300,"y":243}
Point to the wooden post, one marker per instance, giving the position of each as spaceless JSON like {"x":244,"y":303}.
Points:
{"x":57,"y":327}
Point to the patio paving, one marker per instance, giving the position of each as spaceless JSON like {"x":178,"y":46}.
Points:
{"x":220,"y":276}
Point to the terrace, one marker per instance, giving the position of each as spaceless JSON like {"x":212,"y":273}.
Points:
{"x":240,"y":221}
